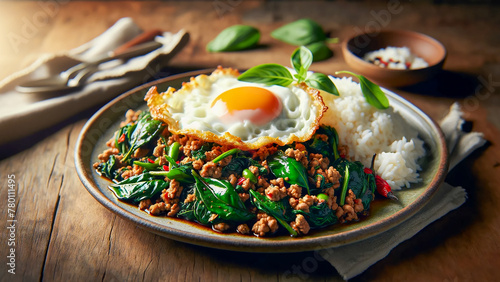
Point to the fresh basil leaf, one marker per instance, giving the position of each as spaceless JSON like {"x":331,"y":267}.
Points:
{"x":301,"y":59}
{"x":269,"y":74}
{"x":289,"y":169}
{"x":235,"y":38}
{"x":322,"y":82}
{"x":319,"y":51}
{"x":300,"y":32}
{"x":372,"y":92}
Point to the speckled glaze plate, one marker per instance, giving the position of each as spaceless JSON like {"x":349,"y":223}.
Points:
{"x":384,"y":214}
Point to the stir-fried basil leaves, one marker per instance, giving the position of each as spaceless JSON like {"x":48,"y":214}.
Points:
{"x":220,"y":197}
{"x":277,"y":209}
{"x":146,"y":130}
{"x":218,"y":200}
{"x":138,"y":188}
{"x":327,"y":148}
{"x":122,"y":138}
{"x":319,"y":216}
{"x":355,"y":179}
{"x":200,"y":153}
{"x":108,"y":169}
{"x":290,"y":170}
{"x":198,"y":211}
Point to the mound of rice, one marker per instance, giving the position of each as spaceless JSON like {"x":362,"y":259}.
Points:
{"x":367,"y":130}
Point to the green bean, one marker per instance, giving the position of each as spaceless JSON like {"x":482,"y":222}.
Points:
{"x":225,"y":154}
{"x":322,"y":196}
{"x":249,"y":175}
{"x":173,"y":150}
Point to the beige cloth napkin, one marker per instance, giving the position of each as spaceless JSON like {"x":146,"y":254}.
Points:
{"x":22,"y":114}
{"x":353,"y":259}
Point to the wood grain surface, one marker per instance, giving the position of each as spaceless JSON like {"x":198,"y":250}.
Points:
{"x":63,"y":234}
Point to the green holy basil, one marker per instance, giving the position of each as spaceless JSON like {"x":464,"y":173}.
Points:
{"x":372,"y":92}
{"x":322,"y":82}
{"x":235,"y":38}
{"x":319,"y":51}
{"x":301,"y":61}
{"x":269,"y":74}
{"x":274,"y":74}
{"x":300,"y":32}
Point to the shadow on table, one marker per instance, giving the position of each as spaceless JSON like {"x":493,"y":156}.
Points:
{"x":447,"y":84}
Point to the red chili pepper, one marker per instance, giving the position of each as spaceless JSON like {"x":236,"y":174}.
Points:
{"x":383,"y":62}
{"x":122,"y":138}
{"x":241,"y":180}
{"x":166,"y":168}
{"x":384,"y":189}
{"x":151,"y":161}
{"x":270,"y":195}
{"x":408,"y":65}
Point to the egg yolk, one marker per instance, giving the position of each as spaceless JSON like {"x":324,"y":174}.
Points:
{"x":258,"y":105}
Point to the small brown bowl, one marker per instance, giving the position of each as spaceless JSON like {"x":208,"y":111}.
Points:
{"x":423,"y":46}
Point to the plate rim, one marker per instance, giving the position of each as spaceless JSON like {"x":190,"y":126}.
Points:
{"x":263,"y":245}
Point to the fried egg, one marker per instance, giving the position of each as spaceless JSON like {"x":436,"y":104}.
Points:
{"x":219,"y":108}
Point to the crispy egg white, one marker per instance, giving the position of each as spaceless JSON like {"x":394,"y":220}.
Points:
{"x":220,"y":108}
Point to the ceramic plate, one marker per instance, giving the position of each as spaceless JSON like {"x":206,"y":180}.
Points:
{"x":384,"y":214}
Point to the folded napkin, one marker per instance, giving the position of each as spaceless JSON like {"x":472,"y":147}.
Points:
{"x":353,"y":259}
{"x":22,"y":114}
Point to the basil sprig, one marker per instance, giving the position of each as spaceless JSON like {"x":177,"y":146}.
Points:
{"x":274,"y":74}
{"x":372,"y":92}
{"x":235,"y":38}
{"x":301,"y":60}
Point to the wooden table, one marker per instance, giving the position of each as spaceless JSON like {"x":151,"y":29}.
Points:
{"x":64,"y":234}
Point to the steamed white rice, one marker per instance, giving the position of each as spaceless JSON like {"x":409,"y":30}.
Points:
{"x":367,"y":130}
